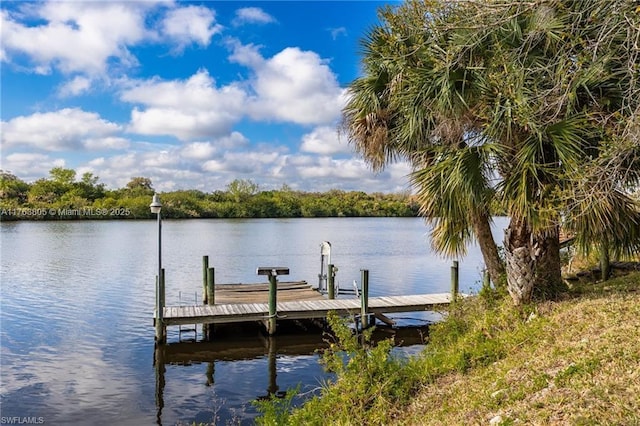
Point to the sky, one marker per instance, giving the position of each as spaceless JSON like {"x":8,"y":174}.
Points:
{"x":192,"y":95}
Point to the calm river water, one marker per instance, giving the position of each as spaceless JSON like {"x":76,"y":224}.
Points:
{"x":77,"y":299}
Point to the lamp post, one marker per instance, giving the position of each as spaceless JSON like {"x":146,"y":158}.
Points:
{"x":155,"y":207}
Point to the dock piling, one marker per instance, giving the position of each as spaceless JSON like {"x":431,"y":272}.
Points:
{"x":210,"y":295}
{"x":273,"y":304}
{"x":455,"y":277}
{"x":157,"y":319}
{"x":486,"y":280}
{"x":331,"y":281}
{"x":205,"y":271}
{"x":273,"y":273}
{"x":160,"y":326}
{"x":162,"y":292}
{"x":364,"y":298}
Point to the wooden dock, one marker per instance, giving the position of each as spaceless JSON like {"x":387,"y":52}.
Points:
{"x":278,"y":301}
{"x":296,"y":300}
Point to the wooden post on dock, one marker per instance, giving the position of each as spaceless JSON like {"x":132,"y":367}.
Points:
{"x":364,"y":298}
{"x":273,"y":273}
{"x":158,"y":318}
{"x":454,"y":280}
{"x":330,"y":282}
{"x":160,"y":327}
{"x":162,"y":292}
{"x":273,"y":303}
{"x":205,"y":271}
{"x":486,"y":280}
{"x":210,"y":290}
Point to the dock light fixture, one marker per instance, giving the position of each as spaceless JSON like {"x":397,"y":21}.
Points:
{"x":155,"y":205}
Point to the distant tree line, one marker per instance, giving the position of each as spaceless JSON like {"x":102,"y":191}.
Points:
{"x":65,"y":196}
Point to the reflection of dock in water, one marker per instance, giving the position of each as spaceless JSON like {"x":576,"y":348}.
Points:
{"x":255,"y":346}
{"x":248,"y":347}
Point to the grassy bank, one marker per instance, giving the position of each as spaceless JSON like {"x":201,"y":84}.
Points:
{"x":575,"y":361}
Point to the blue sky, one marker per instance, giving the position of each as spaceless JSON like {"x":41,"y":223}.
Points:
{"x":190,"y":94}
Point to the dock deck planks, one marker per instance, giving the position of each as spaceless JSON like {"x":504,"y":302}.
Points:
{"x":295,"y":301}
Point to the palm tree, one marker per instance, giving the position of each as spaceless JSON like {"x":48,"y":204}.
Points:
{"x":498,"y":101}
{"x":386,"y":119}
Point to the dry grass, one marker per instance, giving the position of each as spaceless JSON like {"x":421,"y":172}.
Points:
{"x":577,"y":363}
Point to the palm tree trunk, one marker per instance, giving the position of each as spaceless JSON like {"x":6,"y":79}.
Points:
{"x":549,"y":281}
{"x":488,"y":247}
{"x":520,"y":258}
{"x":533,"y":262}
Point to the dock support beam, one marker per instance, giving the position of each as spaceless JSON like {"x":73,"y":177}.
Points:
{"x":330,"y":281}
{"x":205,"y":272}
{"x":364,"y":298}
{"x":455,"y":277}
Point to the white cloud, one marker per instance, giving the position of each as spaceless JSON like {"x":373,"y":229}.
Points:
{"x":168,"y":169}
{"x":214,"y":166}
{"x":188,"y":109}
{"x":97,"y":162}
{"x":198,"y":150}
{"x":76,"y":36}
{"x":75,"y":87}
{"x":205,"y":150}
{"x":63,"y":130}
{"x":30,"y":166}
{"x":204,"y":166}
{"x":399,"y":171}
{"x":324,"y":140}
{"x":191,"y":24}
{"x":159,"y":159}
{"x":232,"y":141}
{"x":109,"y":142}
{"x":252,"y":15}
{"x":95,"y":37}
{"x":336,"y":32}
{"x":246,"y":162}
{"x":336,"y":168}
{"x":294,"y":85}
{"x":245,"y":54}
